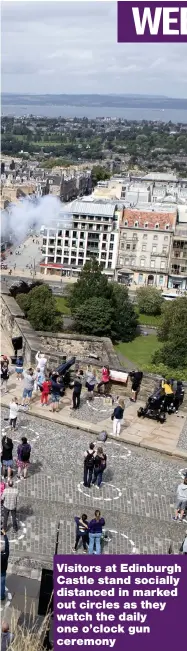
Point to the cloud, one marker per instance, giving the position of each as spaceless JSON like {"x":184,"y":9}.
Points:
{"x":74,"y":44}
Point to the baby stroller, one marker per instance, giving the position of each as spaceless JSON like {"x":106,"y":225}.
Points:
{"x":155,"y":407}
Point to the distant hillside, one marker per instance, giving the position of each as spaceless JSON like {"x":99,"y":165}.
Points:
{"x":116,"y":101}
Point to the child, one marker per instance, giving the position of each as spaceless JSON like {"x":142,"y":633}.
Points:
{"x":14,"y":408}
{"x":46,"y":387}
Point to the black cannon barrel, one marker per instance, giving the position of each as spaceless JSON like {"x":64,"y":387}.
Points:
{"x":63,"y":368}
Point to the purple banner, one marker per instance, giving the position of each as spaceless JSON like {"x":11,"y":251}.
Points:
{"x":152,"y":22}
{"x":136,"y":603}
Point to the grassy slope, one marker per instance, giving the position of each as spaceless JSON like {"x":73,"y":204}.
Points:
{"x":61,"y":304}
{"x":140,"y":350}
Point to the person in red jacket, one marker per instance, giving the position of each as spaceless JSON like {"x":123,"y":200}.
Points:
{"x":105,"y":379}
{"x":46,"y":387}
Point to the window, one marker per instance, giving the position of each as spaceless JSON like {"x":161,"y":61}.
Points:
{"x":133,"y":261}
{"x":112,"y":238}
{"x":74,"y":243}
{"x":136,"y":224}
{"x":144,"y":236}
{"x":128,"y":246}
{"x":65,"y":260}
{"x":98,"y":228}
{"x":58,"y":259}
{"x":44,"y":242}
{"x":122,"y":245}
{"x":124,"y":236}
{"x":156,"y":225}
{"x":82,"y":235}
{"x":105,"y":228}
{"x":73,"y":260}
{"x":81,"y":254}
{"x":127,"y":261}
{"x":144,"y":247}
{"x":164,"y":250}
{"x":80,"y":262}
{"x":155,"y":237}
{"x":109,"y":265}
{"x":74,"y":233}
{"x":142,"y":262}
{"x":134,"y":247}
{"x":121,"y":262}
{"x":59,"y":251}
{"x":146,"y":225}
{"x":67,"y":234}
{"x":134,"y":237}
{"x":154,"y":249}
{"x":66,"y":242}
{"x":161,"y":278}
{"x":59,"y":233}
{"x":75,"y":225}
{"x":110,"y":256}
{"x":152,"y":264}
{"x":111,"y":247}
{"x":58,"y":242}
{"x":104,"y":238}
{"x":140,"y":278}
{"x":104,"y":246}
{"x":167,"y":227}
{"x":126,"y":223}
{"x":165,"y":238}
{"x":163,"y":264}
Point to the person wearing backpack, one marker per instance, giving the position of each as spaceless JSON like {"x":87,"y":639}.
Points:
{"x":88,"y":465}
{"x":99,"y":467}
{"x":23,"y":460}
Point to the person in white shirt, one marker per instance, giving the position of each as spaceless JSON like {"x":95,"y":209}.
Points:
{"x":41,"y":361}
{"x":14,"y":408}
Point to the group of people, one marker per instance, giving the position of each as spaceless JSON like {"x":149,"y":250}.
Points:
{"x":95,"y":461}
{"x":90,"y":533}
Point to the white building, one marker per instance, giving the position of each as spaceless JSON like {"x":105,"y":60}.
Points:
{"x":91,"y":230}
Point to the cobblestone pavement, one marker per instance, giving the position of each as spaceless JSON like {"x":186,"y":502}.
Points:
{"x":137,"y":497}
{"x":96,"y":410}
{"x":182,"y":442}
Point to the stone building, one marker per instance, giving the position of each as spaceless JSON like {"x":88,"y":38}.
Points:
{"x":145,"y":246}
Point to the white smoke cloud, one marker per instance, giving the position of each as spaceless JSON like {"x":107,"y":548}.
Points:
{"x":19,"y":218}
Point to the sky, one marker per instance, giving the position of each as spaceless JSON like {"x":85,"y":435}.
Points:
{"x":71,"y":47}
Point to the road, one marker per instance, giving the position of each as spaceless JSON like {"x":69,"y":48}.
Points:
{"x":29,"y":254}
{"x":137,"y":498}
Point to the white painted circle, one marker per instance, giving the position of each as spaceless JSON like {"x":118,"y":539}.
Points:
{"x":32,"y":439}
{"x":121,"y":456}
{"x":104,"y":499}
{"x":118,"y":533}
{"x":22,"y":533}
{"x":6,"y":603}
{"x":90,"y":404}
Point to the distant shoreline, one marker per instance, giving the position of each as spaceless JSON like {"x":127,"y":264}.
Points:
{"x":96,"y":101}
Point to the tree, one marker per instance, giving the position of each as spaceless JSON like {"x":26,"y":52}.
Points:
{"x":173,"y":332}
{"x":90,"y":283}
{"x":99,"y":173}
{"x":126,"y":321}
{"x":95,"y":317}
{"x":149,"y":300}
{"x":40,"y":308}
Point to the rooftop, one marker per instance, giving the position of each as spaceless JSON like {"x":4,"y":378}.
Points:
{"x":150,"y":218}
{"x":92,"y":208}
{"x":160,"y":176}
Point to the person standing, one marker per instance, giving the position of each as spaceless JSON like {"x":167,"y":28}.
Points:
{"x":105,"y":379}
{"x":136,"y":377}
{"x":19,"y":367}
{"x":23,"y":457}
{"x":117,"y":417}
{"x":14,"y":408}
{"x":4,"y":562}
{"x":6,"y":637}
{"x":100,"y":460}
{"x":181,"y":501}
{"x":88,"y":465}
{"x":95,"y":532}
{"x":91,"y":380}
{"x":10,"y":496}
{"x":77,"y":388}
{"x":4,"y":376}
{"x":46,"y":387}
{"x":81,"y":532}
{"x":41,"y":361}
{"x":6,"y":455}
{"x":29,"y":379}
{"x":57,"y":391}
